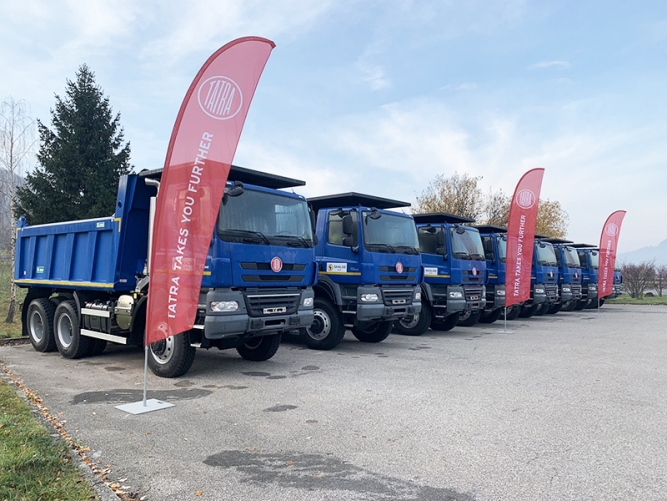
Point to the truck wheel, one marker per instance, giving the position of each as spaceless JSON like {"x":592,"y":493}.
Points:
{"x":259,"y":348}
{"x":327,"y":330}
{"x":471,"y":320}
{"x":98,"y":347}
{"x":446,"y":324}
{"x":581,"y":305}
{"x":491,"y":317}
{"x":171,"y":357}
{"x":555,"y":308}
{"x":40,"y":324}
{"x":70,"y":342}
{"x":415,"y":325}
{"x":593,"y":305}
{"x":513,"y":312}
{"x":529,"y":311}
{"x":601,"y":303}
{"x":373,"y":332}
{"x":544,"y":307}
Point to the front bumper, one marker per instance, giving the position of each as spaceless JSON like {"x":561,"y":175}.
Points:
{"x":393,"y":303}
{"x":246,"y":319}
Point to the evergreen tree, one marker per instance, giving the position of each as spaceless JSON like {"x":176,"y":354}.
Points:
{"x":80,"y":159}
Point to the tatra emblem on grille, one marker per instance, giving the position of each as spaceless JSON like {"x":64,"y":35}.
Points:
{"x":474,"y":271}
{"x":270,"y":311}
{"x":276,"y":264}
{"x":399,"y":267}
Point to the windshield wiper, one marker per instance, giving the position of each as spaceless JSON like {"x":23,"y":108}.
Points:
{"x":260,"y":237}
{"x":461,"y":255}
{"x":478,"y":257}
{"x":382,"y":248}
{"x":408,"y":249}
{"x":297,"y":242}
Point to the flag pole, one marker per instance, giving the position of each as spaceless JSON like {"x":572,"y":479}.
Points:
{"x":152,"y":404}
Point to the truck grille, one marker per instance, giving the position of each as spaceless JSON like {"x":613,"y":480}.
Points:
{"x":468,"y":277}
{"x":265,"y":303}
{"x":576,"y":290}
{"x":393,"y":297}
{"x":473,"y":293}
{"x":551,"y":290}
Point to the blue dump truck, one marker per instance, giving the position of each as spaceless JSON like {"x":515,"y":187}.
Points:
{"x":454,"y":274}
{"x":569,"y":275}
{"x":369,"y":269}
{"x":494,"y":241}
{"x":588,"y":259}
{"x":88,"y":280}
{"x":618,"y":284}
{"x":544,"y":280}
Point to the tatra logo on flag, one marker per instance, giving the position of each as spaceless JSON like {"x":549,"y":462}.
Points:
{"x":521,"y":237}
{"x":607,"y":259}
{"x":199,"y":157}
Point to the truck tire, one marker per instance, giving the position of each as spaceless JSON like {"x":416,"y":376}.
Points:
{"x":581,"y":304}
{"x":529,"y":311}
{"x":471,"y":319}
{"x":40,"y":325}
{"x":544,"y":307}
{"x":171,"y":357}
{"x":446,"y":324}
{"x":555,"y":308}
{"x":98,"y":347}
{"x":258,"y":349}
{"x":602,"y":303}
{"x":327,"y":330}
{"x":513,"y":312}
{"x":491,"y":317}
{"x":415,"y":325}
{"x":593,"y":305}
{"x":373,"y":332}
{"x":70,"y":342}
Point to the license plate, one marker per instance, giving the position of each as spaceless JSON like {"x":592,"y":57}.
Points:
{"x":273,"y":311}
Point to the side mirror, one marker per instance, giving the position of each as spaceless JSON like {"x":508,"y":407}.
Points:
{"x":234,"y":191}
{"x":442,"y":251}
{"x":348,"y":241}
{"x":440,"y":239}
{"x":315,"y":239}
{"x":348,"y":225}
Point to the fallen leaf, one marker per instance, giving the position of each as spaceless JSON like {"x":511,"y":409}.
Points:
{"x":198,"y":493}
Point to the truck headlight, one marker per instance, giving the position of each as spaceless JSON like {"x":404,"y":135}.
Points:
{"x":539,"y":290}
{"x":308,"y":301}
{"x":593,"y":287}
{"x":369,"y":298}
{"x":567,"y":289}
{"x":418,"y":295}
{"x":456,"y":295}
{"x":500,"y":292}
{"x":220,"y":306}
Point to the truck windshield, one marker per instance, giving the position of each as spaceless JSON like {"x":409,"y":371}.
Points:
{"x":389,"y":233}
{"x":258,"y":217}
{"x":502,"y":248}
{"x":594,"y":260}
{"x":571,"y":258}
{"x":545,"y":254}
{"x":466,"y":243}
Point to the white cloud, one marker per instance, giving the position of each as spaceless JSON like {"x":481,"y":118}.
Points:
{"x":550,"y":64}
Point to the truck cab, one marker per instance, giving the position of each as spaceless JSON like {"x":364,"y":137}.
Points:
{"x":88,"y":281}
{"x":494,"y":240}
{"x":453,"y":289}
{"x":569,"y":275}
{"x":369,"y":268}
{"x":618,"y":284}
{"x":589,"y":256}
{"x":545,"y":274}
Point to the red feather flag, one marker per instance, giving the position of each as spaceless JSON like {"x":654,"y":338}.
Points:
{"x":200,"y":154}
{"x":608,"y":244}
{"x":520,"y":237}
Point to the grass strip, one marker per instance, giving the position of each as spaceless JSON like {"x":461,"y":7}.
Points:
{"x":34,"y":466}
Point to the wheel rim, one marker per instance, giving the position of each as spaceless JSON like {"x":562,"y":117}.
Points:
{"x":253,"y":343}
{"x":162,"y":351}
{"x":65,"y":330}
{"x":465,"y":315}
{"x":410,"y":321}
{"x":321,"y":326}
{"x":36,"y":326}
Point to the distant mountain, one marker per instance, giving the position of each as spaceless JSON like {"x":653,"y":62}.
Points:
{"x":658,"y":253}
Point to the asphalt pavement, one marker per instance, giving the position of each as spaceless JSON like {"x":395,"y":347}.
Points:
{"x":571,"y":406}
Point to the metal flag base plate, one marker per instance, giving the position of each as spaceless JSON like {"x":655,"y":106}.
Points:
{"x":149,"y":405}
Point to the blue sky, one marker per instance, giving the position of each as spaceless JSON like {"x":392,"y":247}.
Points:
{"x":381,"y":96}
